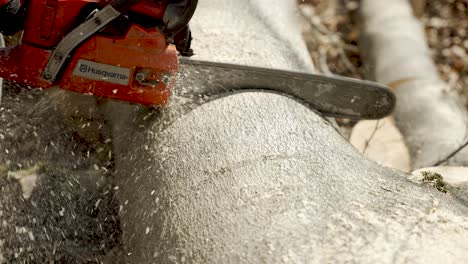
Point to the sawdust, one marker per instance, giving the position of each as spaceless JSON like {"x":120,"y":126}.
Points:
{"x":417,"y":243}
{"x":62,"y":210}
{"x":72,"y":204}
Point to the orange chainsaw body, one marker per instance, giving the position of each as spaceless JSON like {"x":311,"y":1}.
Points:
{"x":132,"y":63}
{"x":140,"y":67}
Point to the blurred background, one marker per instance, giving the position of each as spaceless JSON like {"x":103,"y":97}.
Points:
{"x":332,"y":34}
{"x":332,"y":28}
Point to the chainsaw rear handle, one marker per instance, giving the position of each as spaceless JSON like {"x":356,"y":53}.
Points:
{"x":11,"y":16}
{"x":177,"y":16}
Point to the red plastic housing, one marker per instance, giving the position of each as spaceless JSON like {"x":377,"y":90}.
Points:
{"x":49,"y":20}
{"x":24,"y":65}
{"x":142,"y":51}
{"x":141,"y":58}
{"x":151,"y":8}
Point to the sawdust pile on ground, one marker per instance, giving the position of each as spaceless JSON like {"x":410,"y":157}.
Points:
{"x":332,"y":36}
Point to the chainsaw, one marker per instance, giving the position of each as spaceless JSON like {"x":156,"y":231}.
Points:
{"x":138,"y":51}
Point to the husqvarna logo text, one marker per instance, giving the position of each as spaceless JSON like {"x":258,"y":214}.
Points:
{"x":102,"y":72}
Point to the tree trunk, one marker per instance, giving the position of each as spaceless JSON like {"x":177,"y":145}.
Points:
{"x":258,"y":177}
{"x":252,"y":177}
{"x":431,"y":118}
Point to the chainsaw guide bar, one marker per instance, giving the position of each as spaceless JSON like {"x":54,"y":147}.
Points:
{"x":333,"y":96}
{"x":124,"y":58}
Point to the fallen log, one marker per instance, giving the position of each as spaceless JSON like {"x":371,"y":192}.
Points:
{"x":430,"y":116}
{"x":258,"y":177}
{"x":251,"y":177}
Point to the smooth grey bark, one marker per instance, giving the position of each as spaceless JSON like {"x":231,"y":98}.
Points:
{"x":431,"y":118}
{"x":260,"y":178}
{"x":247,"y":178}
